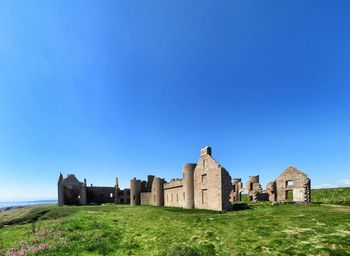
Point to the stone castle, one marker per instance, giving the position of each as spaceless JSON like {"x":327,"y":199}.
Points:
{"x":204,"y":185}
{"x":73,"y":192}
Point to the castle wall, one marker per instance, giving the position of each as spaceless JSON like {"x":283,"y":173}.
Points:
{"x":174,"y":193}
{"x":100,"y":195}
{"x":226,"y":188}
{"x":147,"y":198}
{"x":123,"y":196}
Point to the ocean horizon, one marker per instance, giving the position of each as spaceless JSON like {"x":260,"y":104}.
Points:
{"x":24,"y":203}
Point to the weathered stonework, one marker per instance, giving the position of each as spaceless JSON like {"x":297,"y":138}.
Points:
{"x":73,"y":192}
{"x":293,"y":183}
{"x":237,"y":189}
{"x":212,"y":184}
{"x":174,"y":194}
{"x":271,"y":191}
{"x":205,"y":185}
{"x":253,"y":188}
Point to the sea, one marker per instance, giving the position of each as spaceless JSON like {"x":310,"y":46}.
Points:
{"x":25,"y":203}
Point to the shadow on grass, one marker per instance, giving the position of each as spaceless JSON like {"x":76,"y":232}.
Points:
{"x":235,"y":207}
{"x":184,"y":211}
{"x":240,"y":207}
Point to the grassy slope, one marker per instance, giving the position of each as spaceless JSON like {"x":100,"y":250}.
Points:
{"x":144,"y":230}
{"x":331,"y":196}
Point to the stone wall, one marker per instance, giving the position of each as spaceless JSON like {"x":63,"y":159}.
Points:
{"x":212,"y":184}
{"x":254,"y":189}
{"x":73,"y":192}
{"x":146,"y":198}
{"x":153,"y":197}
{"x":237,"y":189}
{"x":100,"y":195}
{"x":271,"y":191}
{"x":295,"y":184}
{"x":123,"y":196}
{"x":174,"y":194}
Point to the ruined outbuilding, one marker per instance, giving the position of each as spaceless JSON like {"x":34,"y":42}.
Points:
{"x":73,"y":192}
{"x":204,"y":185}
{"x":237,"y":189}
{"x":291,"y":185}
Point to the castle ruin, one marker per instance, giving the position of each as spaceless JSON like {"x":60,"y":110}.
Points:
{"x":73,"y":192}
{"x":204,"y":185}
{"x":292,"y":185}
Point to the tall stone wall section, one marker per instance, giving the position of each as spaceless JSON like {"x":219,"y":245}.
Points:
{"x":174,"y":195}
{"x":212,"y":184}
{"x":146,"y":198}
{"x":237,"y":189}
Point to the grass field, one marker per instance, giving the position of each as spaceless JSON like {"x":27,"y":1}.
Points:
{"x":322,"y":228}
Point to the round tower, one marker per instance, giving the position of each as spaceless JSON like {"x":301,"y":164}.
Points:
{"x":158,"y":192}
{"x":135,"y":191}
{"x":188,"y":185}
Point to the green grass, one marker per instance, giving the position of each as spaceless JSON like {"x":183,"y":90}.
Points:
{"x":316,"y":229}
{"x":331,"y":196}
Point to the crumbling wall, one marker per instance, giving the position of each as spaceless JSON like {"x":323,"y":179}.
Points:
{"x":271,"y":191}
{"x":294,"y":183}
{"x":254,"y":189}
{"x":70,"y":189}
{"x":123,"y":196}
{"x":237,"y":189}
{"x":100,"y":195}
{"x":73,"y":192}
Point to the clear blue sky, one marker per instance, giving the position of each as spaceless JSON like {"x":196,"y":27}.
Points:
{"x":128,"y":88}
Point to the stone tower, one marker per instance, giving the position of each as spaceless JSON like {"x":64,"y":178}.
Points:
{"x":60,"y":189}
{"x":83,"y":194}
{"x":158,"y":192}
{"x":188,"y":185}
{"x":135,"y":191}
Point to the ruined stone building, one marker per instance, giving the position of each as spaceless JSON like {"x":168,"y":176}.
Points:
{"x":291,"y":185}
{"x":147,"y":192}
{"x":73,"y":192}
{"x":204,"y":185}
